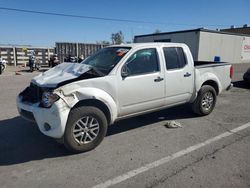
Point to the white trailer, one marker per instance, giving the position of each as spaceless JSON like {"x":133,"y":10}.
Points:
{"x":207,"y":45}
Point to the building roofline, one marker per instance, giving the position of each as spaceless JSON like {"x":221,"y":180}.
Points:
{"x":192,"y":30}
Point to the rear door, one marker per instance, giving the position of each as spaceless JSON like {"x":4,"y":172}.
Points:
{"x":179,"y":76}
{"x":143,"y":89}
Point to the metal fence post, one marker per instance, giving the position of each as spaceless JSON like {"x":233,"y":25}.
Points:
{"x":14,"y":56}
{"x":77,"y":50}
{"x":48,"y":53}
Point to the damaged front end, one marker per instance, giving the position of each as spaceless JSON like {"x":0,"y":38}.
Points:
{"x":35,"y":94}
{"x":45,"y":97}
{"x":44,"y":107}
{"x":44,"y":102}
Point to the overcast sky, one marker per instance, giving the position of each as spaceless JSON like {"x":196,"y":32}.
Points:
{"x":165,"y":15}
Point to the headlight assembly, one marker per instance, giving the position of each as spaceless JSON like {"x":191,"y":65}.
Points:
{"x":49,"y":98}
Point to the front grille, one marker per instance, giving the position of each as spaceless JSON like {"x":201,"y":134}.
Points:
{"x":32,"y":94}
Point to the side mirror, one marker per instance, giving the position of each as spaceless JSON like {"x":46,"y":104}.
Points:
{"x":124,"y":71}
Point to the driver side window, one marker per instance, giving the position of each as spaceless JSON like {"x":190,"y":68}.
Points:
{"x":143,"y":62}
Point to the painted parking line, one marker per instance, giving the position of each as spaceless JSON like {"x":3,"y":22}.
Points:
{"x":169,"y":158}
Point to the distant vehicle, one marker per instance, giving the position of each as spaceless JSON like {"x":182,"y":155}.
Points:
{"x":3,"y":64}
{"x":246,"y":76}
{"x":53,"y":61}
{"x":75,"y":102}
{"x":73,"y":59}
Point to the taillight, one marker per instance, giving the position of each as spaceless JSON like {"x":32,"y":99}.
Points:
{"x":231,"y":71}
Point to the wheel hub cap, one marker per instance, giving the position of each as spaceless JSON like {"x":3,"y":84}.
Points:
{"x":207,"y":101}
{"x":85,"y":130}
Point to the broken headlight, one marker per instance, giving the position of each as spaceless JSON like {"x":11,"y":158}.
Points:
{"x":48,"y":99}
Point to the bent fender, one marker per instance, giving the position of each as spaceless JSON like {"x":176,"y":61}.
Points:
{"x":81,"y":94}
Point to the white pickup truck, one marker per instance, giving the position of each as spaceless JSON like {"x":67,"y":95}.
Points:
{"x":75,"y":102}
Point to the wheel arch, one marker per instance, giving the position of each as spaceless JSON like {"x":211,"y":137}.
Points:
{"x":98,"y":104}
{"x":213,"y":84}
{"x":89,"y":96}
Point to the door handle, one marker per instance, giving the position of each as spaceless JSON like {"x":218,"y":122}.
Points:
{"x":158,"y":79}
{"x":187,"y":74}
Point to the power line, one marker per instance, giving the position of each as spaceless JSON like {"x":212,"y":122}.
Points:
{"x":102,"y":18}
{"x":75,"y":16}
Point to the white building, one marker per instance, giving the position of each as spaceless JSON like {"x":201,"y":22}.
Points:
{"x":207,"y":45}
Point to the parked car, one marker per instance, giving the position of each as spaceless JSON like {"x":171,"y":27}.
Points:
{"x":53,"y":61}
{"x":75,"y":102}
{"x":246,"y":76}
{"x":73,"y":59}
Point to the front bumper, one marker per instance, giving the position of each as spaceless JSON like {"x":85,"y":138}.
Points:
{"x":51,"y":121}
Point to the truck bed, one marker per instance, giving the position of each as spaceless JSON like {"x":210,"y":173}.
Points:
{"x":216,"y":71}
{"x":203,"y":64}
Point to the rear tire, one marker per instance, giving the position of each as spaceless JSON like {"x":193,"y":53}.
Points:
{"x":86,"y":127}
{"x":205,"y":101}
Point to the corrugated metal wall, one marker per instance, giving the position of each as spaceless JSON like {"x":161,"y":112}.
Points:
{"x":64,"y":49}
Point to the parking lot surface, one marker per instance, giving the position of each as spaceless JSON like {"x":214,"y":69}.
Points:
{"x":132,"y":147}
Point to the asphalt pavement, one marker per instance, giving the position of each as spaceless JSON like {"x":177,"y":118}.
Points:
{"x":137,"y":152}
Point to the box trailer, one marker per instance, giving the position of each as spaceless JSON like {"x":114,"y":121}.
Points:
{"x":207,"y":45}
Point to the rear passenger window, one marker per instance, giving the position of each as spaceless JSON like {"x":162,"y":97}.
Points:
{"x":174,"y":58}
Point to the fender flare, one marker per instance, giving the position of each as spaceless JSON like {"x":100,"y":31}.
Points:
{"x":206,"y":78}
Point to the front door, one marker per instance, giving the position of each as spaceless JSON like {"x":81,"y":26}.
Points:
{"x":143,"y":87}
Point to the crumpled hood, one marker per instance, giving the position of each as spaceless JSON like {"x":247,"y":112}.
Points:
{"x":60,"y":73}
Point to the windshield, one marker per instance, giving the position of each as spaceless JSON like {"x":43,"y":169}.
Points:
{"x":106,"y":59}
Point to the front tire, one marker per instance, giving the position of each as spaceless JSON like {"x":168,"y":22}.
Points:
{"x":86,"y":127}
{"x":205,"y":101}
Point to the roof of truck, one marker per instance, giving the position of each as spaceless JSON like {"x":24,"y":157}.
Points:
{"x":135,"y":45}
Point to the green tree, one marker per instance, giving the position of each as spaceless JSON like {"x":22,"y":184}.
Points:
{"x":117,"y":38}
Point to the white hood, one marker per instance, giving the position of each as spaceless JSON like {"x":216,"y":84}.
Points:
{"x":60,"y":73}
